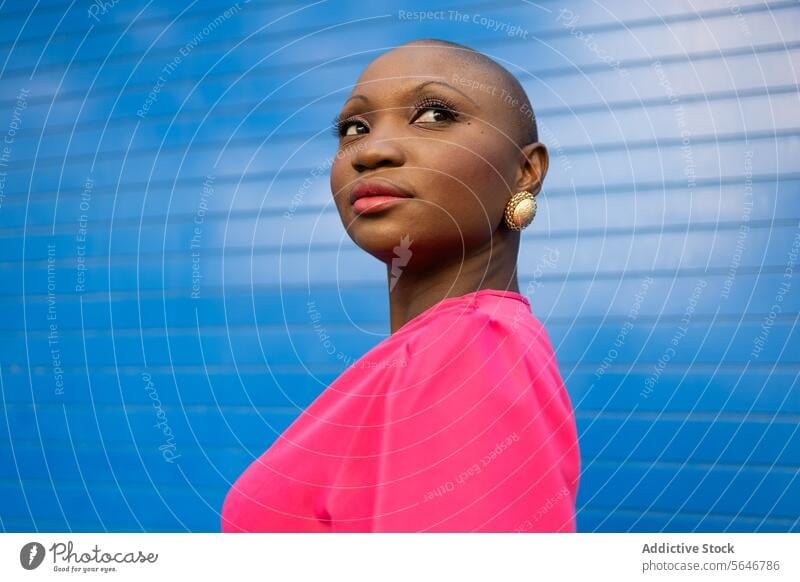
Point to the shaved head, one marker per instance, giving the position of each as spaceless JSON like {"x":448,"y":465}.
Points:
{"x":515,"y":99}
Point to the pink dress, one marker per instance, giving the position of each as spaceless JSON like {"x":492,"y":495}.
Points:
{"x":457,"y":422}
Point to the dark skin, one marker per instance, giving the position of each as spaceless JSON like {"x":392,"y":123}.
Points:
{"x":456,"y":148}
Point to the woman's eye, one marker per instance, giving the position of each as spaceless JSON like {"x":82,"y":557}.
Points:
{"x":435,"y":115}
{"x":352,"y":128}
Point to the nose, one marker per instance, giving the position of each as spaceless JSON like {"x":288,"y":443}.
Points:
{"x":377,"y":152}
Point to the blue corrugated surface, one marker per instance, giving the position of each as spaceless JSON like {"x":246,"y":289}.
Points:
{"x":662,"y":262}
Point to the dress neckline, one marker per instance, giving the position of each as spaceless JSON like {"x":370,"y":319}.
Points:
{"x":467,"y":298}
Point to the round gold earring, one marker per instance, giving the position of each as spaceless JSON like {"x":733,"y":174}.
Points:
{"x":520,"y":210}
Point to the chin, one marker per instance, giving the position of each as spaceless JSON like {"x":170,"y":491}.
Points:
{"x":383,"y":239}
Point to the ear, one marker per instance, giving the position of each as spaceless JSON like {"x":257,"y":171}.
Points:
{"x":533,"y":167}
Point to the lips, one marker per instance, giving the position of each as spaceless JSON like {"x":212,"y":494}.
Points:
{"x":372,"y":196}
{"x":365,"y":189}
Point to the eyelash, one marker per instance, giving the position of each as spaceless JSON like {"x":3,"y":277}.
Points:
{"x":426,"y":103}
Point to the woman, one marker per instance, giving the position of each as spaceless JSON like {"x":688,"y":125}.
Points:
{"x":459,"y":420}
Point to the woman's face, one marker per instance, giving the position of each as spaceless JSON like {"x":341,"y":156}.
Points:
{"x":426,"y":123}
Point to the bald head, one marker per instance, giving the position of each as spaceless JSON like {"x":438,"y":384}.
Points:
{"x":511,"y":94}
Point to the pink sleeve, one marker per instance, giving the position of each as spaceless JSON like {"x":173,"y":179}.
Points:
{"x":479,"y":435}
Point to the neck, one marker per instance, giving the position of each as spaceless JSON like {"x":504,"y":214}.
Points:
{"x":493,"y":266}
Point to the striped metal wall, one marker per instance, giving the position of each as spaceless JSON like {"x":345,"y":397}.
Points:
{"x":168,"y":238}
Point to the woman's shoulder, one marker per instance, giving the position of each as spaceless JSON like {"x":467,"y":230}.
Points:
{"x":489,"y":336}
{"x":492,"y":344}
{"x":487,"y":315}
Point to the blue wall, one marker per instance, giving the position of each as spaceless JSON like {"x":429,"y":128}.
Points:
{"x":165,"y":217}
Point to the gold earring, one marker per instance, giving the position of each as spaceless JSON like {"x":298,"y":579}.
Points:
{"x":520,"y":210}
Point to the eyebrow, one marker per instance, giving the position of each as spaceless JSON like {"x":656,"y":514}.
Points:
{"x":419,"y":88}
